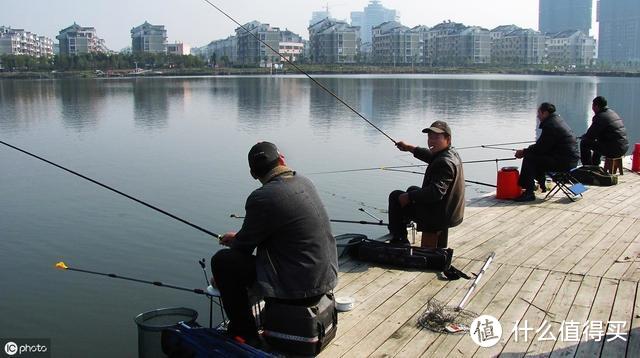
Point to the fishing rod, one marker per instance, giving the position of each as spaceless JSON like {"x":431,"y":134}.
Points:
{"x":492,"y":145}
{"x":362,"y":222}
{"x":499,"y":148}
{"x":407,"y":166}
{"x":468,"y":181}
{"x":368,"y":213}
{"x":115,"y":191}
{"x":286,"y":59}
{"x":62,"y":266}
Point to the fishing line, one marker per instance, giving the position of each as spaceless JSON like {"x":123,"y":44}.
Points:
{"x":115,"y":191}
{"x":407,"y":166}
{"x":468,"y":181}
{"x":491,"y":145}
{"x":383,"y":211}
{"x":362,"y":222}
{"x":301,"y":70}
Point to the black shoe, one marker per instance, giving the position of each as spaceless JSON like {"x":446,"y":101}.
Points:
{"x":526,"y":196}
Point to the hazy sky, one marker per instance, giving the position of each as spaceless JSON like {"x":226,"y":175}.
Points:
{"x":197,"y":23}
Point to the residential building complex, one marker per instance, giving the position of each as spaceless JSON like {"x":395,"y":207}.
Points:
{"x":291,"y":45}
{"x":178,"y":48}
{"x":253,"y":52}
{"x":511,"y":45}
{"x":21,"y":42}
{"x":148,"y":38}
{"x":332,"y":41}
{"x":570,"y":48}
{"x":373,"y":15}
{"x":560,"y":15}
{"x":76,"y":39}
{"x":394,"y":43}
{"x":619,"y":37}
{"x":470,"y":46}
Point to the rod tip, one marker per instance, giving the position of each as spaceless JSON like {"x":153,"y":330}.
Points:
{"x":61,"y":265}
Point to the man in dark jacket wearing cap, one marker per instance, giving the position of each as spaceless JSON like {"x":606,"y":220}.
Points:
{"x":606,"y":135}
{"x":439,"y":203}
{"x":555,"y":150}
{"x":296,"y":259}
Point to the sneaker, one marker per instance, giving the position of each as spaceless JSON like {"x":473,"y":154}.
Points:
{"x":526,"y":196}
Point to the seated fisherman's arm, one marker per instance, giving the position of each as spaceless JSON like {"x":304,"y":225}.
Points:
{"x":543,"y":145}
{"x":595,"y":129}
{"x":256,"y":226}
{"x":423,"y":154}
{"x":442,"y":177}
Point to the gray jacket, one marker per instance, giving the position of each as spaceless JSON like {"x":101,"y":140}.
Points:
{"x":296,"y":252}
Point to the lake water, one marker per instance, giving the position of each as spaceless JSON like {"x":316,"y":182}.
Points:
{"x":181,"y":144}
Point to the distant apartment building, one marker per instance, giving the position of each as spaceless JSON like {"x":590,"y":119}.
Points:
{"x":464,"y":46}
{"x":373,"y":14}
{"x":76,"y":39}
{"x":445,"y":28}
{"x":252,"y":52}
{"x":21,"y":42}
{"x":291,"y":45}
{"x":394,"y":43}
{"x":333,"y":41}
{"x":148,"y":38}
{"x":619,"y":35}
{"x":511,"y":45}
{"x":178,"y":48}
{"x":561,"y":15}
{"x":570,"y":48}
{"x":219,"y":51}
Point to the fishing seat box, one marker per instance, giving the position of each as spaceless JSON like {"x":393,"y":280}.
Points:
{"x":300,"y":330}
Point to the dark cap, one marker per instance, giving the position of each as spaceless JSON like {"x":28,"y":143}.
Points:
{"x":438,"y":127}
{"x":263,"y":157}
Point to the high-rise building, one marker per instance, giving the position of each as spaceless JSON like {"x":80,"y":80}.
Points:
{"x":332,"y":41}
{"x":149,"y":38}
{"x":560,"y":15}
{"x":77,"y":39}
{"x":318,"y":16}
{"x":21,"y":42}
{"x":619,"y":39}
{"x":373,"y":15}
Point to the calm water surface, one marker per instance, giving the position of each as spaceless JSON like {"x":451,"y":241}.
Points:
{"x":181,"y":144}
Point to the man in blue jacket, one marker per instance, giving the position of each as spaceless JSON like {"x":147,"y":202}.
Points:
{"x":288,"y":227}
{"x":606,"y":135}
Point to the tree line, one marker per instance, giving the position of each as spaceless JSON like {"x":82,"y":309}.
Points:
{"x":98,"y":61}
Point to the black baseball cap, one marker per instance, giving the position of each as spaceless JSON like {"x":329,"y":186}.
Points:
{"x":263,"y":157}
{"x":438,"y":127}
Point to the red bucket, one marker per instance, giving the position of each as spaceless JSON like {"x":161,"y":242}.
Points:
{"x":507,"y":186}
{"x":635,"y":163}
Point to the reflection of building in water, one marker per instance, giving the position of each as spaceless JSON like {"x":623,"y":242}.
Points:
{"x":151,"y":101}
{"x":24,"y":103}
{"x":622,"y":96}
{"x":81,"y":102}
{"x":572,"y":98}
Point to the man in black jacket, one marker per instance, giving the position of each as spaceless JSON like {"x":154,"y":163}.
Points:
{"x":606,"y":135}
{"x":555,"y":150}
{"x":296,"y":259}
{"x":439,"y":203}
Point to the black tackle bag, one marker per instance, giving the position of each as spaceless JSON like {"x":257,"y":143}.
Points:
{"x":594,"y":175}
{"x":300,"y":330}
{"x":362,"y":248}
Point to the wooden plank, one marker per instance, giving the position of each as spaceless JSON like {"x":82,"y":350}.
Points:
{"x":363,"y":279}
{"x":622,"y":312}
{"x":560,"y":307}
{"x":408,"y":329}
{"x":600,"y":312}
{"x":607,"y":265}
{"x":633,"y":348}
{"x":579,"y":312}
{"x":534,"y":317}
{"x":630,"y":253}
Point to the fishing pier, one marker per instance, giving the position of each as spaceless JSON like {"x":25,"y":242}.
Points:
{"x":570,"y":270}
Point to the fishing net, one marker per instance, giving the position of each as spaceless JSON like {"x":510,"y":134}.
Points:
{"x":437,"y":317}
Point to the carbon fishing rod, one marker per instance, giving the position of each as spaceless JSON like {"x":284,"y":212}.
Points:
{"x":408,"y":166}
{"x":301,"y":71}
{"x":62,"y":266}
{"x":494,"y":145}
{"x":468,"y":181}
{"x":115,"y":191}
{"x":362,"y":222}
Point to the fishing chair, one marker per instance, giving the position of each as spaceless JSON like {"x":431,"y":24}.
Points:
{"x":565,"y":182}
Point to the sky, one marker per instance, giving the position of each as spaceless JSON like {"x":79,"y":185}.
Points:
{"x":197,"y":23}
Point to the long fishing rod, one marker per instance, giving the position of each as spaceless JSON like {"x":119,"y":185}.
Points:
{"x":115,"y":191}
{"x":468,"y":181}
{"x":62,"y":266}
{"x":362,"y":222}
{"x":301,"y":70}
{"x":408,"y":166}
{"x":499,"y":148}
{"x":491,"y":145}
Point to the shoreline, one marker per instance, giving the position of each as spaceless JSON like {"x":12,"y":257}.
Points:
{"x":311,"y":69}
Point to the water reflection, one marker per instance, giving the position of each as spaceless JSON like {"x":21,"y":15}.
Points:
{"x":153,"y":99}
{"x":82,"y":102}
{"x":25,"y":103}
{"x":622,"y":95}
{"x":572,"y":98}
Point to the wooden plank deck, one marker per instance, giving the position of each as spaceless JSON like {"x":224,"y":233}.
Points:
{"x":558,"y":265}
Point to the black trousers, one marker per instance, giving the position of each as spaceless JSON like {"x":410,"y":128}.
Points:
{"x":234,"y":271}
{"x":535,"y":167}
{"x":399,"y":217}
{"x":591,"y":152}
